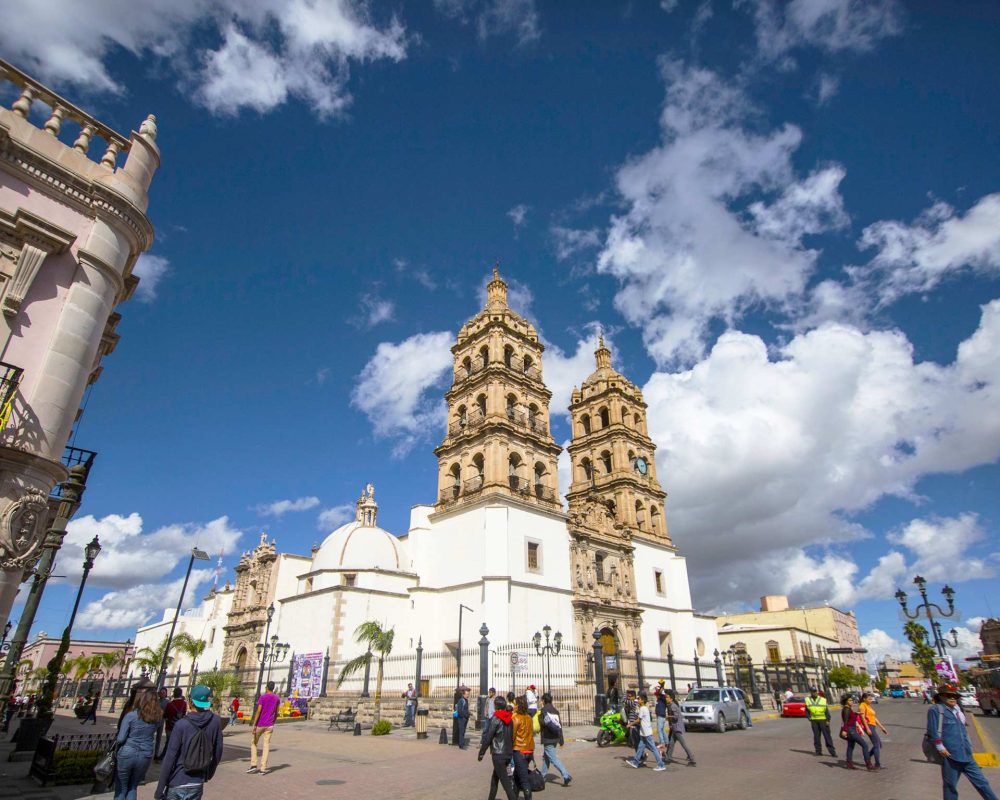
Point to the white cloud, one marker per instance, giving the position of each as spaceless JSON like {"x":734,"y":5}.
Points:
{"x":941,"y":545}
{"x":715,"y":219}
{"x":570,"y":241}
{"x":130,"y":557}
{"x":322,"y":375}
{"x":394,"y":388}
{"x":519,"y":215}
{"x":880,"y":644}
{"x":130,"y":608}
{"x":794,"y":445}
{"x":826,"y":87}
{"x":267,"y":51}
{"x":916,"y":257}
{"x":374,"y":310}
{"x":281,"y":507}
{"x":830,"y":25}
{"x":330,"y":519}
{"x":149,"y":270}
{"x":495,"y":17}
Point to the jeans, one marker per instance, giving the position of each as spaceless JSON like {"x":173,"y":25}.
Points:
{"x":129,"y":773}
{"x":549,"y":757}
{"x":876,"y":746}
{"x":661,"y":730}
{"x":185,"y":792}
{"x":261,"y":735}
{"x":951,"y":770}
{"x":854,"y":738}
{"x":675,"y":737}
{"x":646,"y":743}
{"x":521,"y":772}
{"x":460,"y":725}
{"x":408,"y":713}
{"x":822,"y":728}
{"x":501,"y":778}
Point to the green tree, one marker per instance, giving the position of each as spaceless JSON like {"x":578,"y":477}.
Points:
{"x":150,"y":658}
{"x":189,"y":646}
{"x":845,"y":677}
{"x":223,"y":685}
{"x":921,"y":652}
{"x":881,"y":683}
{"x":377,"y":640}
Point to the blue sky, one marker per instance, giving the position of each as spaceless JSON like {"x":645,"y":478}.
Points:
{"x":784,"y":216}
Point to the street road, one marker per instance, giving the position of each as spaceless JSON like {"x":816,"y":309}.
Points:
{"x":773,"y":760}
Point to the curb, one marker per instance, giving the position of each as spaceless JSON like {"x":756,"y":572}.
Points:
{"x":988,"y":758}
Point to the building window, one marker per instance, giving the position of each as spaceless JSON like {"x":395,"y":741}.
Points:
{"x":585,"y":422}
{"x":640,"y":515}
{"x":658,"y":580}
{"x":211,"y":637}
{"x":481,"y":405}
{"x":666,"y":643}
{"x":508,"y":356}
{"x":309,"y":584}
{"x":599,"y":567}
{"x":350,"y":579}
{"x":605,"y":418}
{"x":773,"y":652}
{"x":588,"y":469}
{"x":534,"y":556}
{"x":606,"y":461}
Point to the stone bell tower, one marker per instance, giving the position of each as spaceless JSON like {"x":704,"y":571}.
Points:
{"x":498,"y":438}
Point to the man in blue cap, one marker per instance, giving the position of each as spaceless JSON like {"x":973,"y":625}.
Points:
{"x":193,"y":751}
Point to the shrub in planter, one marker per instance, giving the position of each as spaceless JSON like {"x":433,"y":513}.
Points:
{"x":381,"y":728}
{"x":75,"y":766}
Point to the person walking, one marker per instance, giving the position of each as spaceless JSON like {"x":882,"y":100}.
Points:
{"x":854,"y":729}
{"x":187,"y":768}
{"x":134,"y":743}
{"x":818,"y":712}
{"x":630,"y":713}
{"x":409,"y":710}
{"x":490,"y":707}
{"x":264,"y":716}
{"x":644,"y":726}
{"x":164,"y":701}
{"x":234,"y":710}
{"x":552,"y":736}
{"x":462,"y":718}
{"x":946,"y":729}
{"x":524,"y":745}
{"x":172,"y":711}
{"x":676,"y":720}
{"x":867,"y":710}
{"x":498,"y":739}
{"x":661,"y":715}
{"x":92,"y":711}
{"x":532,"y":699}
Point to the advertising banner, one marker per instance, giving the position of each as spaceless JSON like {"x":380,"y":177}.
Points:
{"x":307,"y":675}
{"x":945,"y":670}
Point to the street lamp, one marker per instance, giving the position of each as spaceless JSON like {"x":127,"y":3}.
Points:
{"x":928,"y":608}
{"x":201,"y":555}
{"x":269,"y":652}
{"x":549,"y":650}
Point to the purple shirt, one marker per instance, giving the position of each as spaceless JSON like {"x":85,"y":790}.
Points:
{"x":268,"y":705}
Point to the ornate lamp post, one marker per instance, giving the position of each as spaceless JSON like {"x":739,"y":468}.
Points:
{"x":548,"y":650}
{"x":269,"y":652}
{"x":928,"y":608}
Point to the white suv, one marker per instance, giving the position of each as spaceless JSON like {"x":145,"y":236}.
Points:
{"x":719,"y":708}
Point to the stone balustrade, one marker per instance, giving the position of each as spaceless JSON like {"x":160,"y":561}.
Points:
{"x":61,"y":110}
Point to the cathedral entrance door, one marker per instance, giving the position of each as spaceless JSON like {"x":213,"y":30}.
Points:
{"x":612,"y":669}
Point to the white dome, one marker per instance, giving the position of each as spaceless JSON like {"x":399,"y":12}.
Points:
{"x":358,"y":546}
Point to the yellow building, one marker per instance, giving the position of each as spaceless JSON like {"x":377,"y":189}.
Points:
{"x":823,"y":621}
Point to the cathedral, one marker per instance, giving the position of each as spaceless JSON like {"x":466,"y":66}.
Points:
{"x":498,"y":539}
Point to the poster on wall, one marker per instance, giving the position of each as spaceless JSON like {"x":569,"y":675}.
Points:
{"x":307,"y":675}
{"x":945,"y":670}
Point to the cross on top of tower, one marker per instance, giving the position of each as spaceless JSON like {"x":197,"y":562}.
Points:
{"x":602,"y":354}
{"x":496,"y":290}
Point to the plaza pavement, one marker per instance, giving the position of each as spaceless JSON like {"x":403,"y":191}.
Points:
{"x":774,"y":759}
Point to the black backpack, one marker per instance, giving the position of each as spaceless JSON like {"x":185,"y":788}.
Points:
{"x":200,"y":752}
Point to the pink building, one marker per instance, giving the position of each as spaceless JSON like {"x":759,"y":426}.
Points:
{"x":72,"y":224}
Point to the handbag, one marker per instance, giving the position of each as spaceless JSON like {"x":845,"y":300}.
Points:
{"x":536,"y":781}
{"x":105,"y":769}
{"x":927,"y":745}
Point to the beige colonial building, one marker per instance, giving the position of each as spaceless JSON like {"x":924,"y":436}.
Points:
{"x":839,"y":629}
{"x":72,"y":224}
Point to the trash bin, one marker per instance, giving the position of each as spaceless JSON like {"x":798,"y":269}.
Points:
{"x":421,"y":720}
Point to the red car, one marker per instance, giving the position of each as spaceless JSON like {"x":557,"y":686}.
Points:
{"x":796,"y":707}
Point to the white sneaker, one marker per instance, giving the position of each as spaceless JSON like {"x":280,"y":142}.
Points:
{"x":631,"y":763}
{"x":659,"y":769}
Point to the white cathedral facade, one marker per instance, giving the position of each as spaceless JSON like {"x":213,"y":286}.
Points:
{"x":498,"y":540}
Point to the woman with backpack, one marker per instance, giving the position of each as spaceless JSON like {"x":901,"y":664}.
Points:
{"x":134,"y":743}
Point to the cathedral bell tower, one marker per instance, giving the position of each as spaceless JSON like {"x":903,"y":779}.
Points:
{"x":498,"y":439}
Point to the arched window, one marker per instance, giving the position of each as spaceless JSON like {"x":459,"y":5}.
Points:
{"x":605,"y":418}
{"x":241,"y":659}
{"x":631,"y":456}
{"x":481,"y":403}
{"x":456,"y":480}
{"x":640,"y":515}
{"x":624,"y":415}
{"x":462,"y":416}
{"x":479,"y":465}
{"x":606,"y":461}
{"x":588,"y":469}
{"x":511,"y":404}
{"x":527,"y":363}
{"x":532,"y":416}
{"x":513,"y":470}
{"x":467,"y":365}
{"x":539,"y":478}
{"x":484,"y":355}
{"x":599,"y":567}
{"x":612,"y":508}
{"x":637,"y":422}
{"x":654,"y":519}
{"x":585,"y":421}
{"x":508,"y":355}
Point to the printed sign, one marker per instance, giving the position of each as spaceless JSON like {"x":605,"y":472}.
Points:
{"x":307,"y":675}
{"x":611,"y":662}
{"x":518,"y":663}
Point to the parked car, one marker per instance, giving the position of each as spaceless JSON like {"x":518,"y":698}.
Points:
{"x":718,"y":708}
{"x":795,"y":707}
{"x":897,"y":690}
{"x":967,"y":698}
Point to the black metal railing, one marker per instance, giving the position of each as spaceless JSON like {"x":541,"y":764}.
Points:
{"x":73,"y":456}
{"x":10,"y":378}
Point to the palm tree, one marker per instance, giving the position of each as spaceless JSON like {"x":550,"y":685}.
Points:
{"x":378,"y":640}
{"x":191,"y":647}
{"x":150,"y":658}
{"x":37,"y":676}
